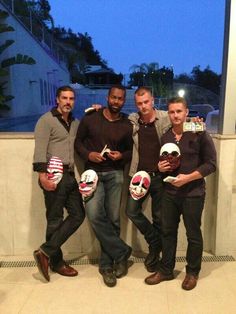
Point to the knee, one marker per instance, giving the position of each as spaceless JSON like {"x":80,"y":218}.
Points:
{"x":130,"y":212}
{"x":93,"y":216}
{"x":79,"y":218}
{"x":169,"y":232}
{"x":54,"y":224}
{"x":132,"y":208}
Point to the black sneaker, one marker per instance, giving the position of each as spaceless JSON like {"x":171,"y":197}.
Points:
{"x":109,"y":277}
{"x":121,"y":267}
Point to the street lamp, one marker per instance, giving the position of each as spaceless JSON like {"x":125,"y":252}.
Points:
{"x":181,"y":93}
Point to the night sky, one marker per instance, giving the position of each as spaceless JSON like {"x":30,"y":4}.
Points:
{"x":178,"y":33}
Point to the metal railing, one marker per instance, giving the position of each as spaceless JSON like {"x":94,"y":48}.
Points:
{"x":33,"y":24}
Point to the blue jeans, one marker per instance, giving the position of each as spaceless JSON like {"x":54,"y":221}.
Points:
{"x":59,"y":229}
{"x":103,"y":211}
{"x":150,"y":230}
{"x":191,"y":208}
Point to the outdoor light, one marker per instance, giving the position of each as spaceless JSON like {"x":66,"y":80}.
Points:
{"x":181,"y":92}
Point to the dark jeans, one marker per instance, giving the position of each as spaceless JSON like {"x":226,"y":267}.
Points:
{"x":191,"y":208}
{"x":150,"y":230}
{"x":59,"y":229}
{"x":103,"y":211}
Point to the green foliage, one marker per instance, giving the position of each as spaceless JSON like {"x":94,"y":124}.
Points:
{"x":5,"y":28}
{"x":3,"y":14}
{"x":42,"y":9}
{"x":18,"y":59}
{"x":204,"y":78}
{"x":80,"y":52}
{"x":159,"y":79}
{"x":7,"y":44}
{"x":207,"y":79}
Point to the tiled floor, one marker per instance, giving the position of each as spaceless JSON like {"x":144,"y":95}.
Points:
{"x":22,"y":290}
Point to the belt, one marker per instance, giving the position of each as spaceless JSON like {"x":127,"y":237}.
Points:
{"x":68,"y":168}
{"x":153,"y":173}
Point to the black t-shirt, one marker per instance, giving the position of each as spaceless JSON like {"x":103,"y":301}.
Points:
{"x":197,"y":153}
{"x":149,"y":147}
{"x":95,"y":131}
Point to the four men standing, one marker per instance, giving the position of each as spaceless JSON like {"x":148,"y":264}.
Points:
{"x":110,"y":128}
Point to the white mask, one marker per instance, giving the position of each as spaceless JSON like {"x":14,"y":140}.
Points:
{"x":139,"y":184}
{"x":88,"y":183}
{"x":55,"y":169}
{"x":171,"y":153}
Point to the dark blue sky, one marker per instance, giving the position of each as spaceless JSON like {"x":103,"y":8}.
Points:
{"x":178,"y":33}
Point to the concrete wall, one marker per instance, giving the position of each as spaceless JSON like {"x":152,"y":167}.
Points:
{"x":22,"y":223}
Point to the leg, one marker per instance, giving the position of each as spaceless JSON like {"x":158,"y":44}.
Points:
{"x":170,"y":215}
{"x":155,"y":243}
{"x":156,"y":192}
{"x":192,"y":213}
{"x":103,"y":213}
{"x":135,"y":214}
{"x":59,"y":230}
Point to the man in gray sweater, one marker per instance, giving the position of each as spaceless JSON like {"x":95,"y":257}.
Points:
{"x":54,"y":137}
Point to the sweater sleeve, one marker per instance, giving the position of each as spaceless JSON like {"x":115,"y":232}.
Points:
{"x":42,"y":136}
{"x":208,"y":155}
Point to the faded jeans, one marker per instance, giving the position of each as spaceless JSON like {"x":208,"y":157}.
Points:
{"x":103,"y":211}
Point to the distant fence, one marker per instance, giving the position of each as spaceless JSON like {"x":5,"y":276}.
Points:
{"x":33,"y":24}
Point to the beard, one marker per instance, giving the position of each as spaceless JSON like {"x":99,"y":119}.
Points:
{"x":66,"y":109}
{"x":114,"y":109}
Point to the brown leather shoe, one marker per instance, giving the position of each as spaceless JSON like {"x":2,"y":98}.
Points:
{"x":190,"y":282}
{"x":157,"y":277}
{"x":65,"y":270}
{"x":42,"y":262}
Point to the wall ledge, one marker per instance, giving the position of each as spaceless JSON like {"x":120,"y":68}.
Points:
{"x":16,"y":135}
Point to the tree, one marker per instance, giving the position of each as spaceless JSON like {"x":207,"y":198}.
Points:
{"x":42,"y":9}
{"x":207,"y":79}
{"x":18,"y":59}
{"x":149,"y":74}
{"x":80,"y":52}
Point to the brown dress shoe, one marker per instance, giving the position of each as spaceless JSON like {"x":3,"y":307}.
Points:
{"x":157,"y":277}
{"x":190,"y":282}
{"x":65,"y":270}
{"x":42,"y":262}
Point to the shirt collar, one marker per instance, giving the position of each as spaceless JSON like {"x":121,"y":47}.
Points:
{"x":56,"y":113}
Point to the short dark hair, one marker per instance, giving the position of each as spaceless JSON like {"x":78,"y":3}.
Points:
{"x":177,"y":100}
{"x":118,"y":86}
{"x":140,"y":91}
{"x":64,"y":88}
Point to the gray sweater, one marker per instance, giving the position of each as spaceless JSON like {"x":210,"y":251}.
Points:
{"x":54,"y":138}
